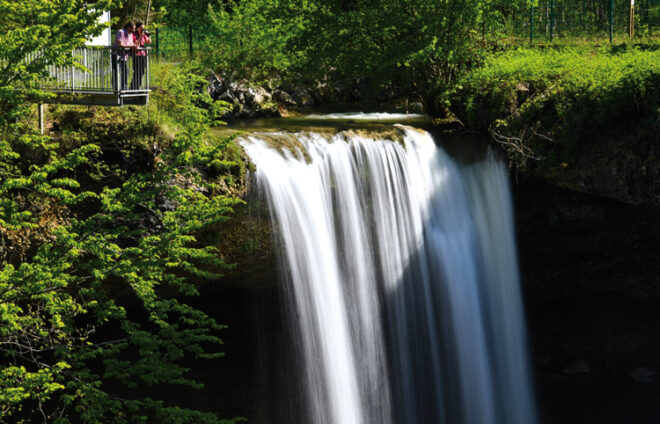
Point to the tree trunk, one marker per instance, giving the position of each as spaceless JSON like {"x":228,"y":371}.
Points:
{"x":146,"y":21}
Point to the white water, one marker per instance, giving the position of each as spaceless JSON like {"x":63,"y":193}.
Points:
{"x":366,"y":117}
{"x":404,"y":278}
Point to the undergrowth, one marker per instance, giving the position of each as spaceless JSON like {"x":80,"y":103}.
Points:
{"x":531,"y":99}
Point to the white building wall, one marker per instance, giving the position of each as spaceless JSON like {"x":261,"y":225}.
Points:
{"x":105,"y":39}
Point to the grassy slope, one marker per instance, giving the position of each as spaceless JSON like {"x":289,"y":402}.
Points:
{"x":573,"y":96}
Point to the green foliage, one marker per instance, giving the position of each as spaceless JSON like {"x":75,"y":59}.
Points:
{"x":183,"y":14}
{"x":413,"y":43}
{"x":574,"y":95}
{"x":218,"y":158}
{"x":259,"y":40}
{"x":165,"y":13}
{"x":98,"y":239}
{"x":127,"y":246}
{"x":36,"y":34}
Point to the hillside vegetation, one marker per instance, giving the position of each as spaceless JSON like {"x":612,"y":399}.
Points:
{"x":530,"y":99}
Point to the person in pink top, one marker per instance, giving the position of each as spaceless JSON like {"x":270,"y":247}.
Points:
{"x":123,"y":40}
{"x":141,"y":39}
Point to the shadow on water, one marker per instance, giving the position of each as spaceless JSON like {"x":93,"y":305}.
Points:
{"x":457,"y":340}
{"x":445,"y":273}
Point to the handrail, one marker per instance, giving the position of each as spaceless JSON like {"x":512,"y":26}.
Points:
{"x":120,"y":47}
{"x":114,"y":70}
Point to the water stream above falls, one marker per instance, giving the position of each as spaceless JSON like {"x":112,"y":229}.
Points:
{"x":401,"y":276}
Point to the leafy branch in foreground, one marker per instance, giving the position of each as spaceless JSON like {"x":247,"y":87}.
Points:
{"x":96,"y":305}
{"x":98,"y":246}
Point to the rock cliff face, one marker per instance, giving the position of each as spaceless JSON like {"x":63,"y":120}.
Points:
{"x":621,"y":168}
{"x":591,"y":284}
{"x":249,"y":101}
{"x":246,"y":101}
{"x":587,"y":213}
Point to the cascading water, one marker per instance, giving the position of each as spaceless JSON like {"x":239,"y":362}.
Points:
{"x":403,"y":277}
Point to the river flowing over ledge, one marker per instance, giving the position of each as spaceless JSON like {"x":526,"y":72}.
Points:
{"x":402,"y":290}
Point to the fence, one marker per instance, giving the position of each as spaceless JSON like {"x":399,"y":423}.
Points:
{"x":172,"y":43}
{"x":549,"y":20}
{"x":96,"y":75}
{"x":99,"y":70}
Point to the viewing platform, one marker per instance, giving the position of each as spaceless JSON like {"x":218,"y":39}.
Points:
{"x":103,"y":76}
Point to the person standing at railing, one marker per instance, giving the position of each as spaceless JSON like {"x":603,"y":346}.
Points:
{"x":140,"y":60}
{"x":123,"y":40}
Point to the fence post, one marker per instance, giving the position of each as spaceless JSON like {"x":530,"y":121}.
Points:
{"x":157,"y":43}
{"x":531,"y":24}
{"x":190,"y":40}
{"x":41,"y":118}
{"x":631,"y":20}
{"x":611,"y":19}
{"x":552,"y":19}
{"x":72,"y":70}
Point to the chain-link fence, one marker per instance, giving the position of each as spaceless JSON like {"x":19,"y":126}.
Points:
{"x":181,"y":43}
{"x":611,"y":20}
{"x":176,"y":44}
{"x":546,"y":21}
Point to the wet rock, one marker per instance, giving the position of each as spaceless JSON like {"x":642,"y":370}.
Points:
{"x":282,"y":110}
{"x":642,"y":375}
{"x":302,"y":97}
{"x":247,"y":101}
{"x":416,"y":107}
{"x":577,"y":366}
{"x":544,"y":362}
{"x":259,"y":96}
{"x":332,"y":93}
{"x":359,"y":90}
{"x":317,"y":97}
{"x":283,"y":97}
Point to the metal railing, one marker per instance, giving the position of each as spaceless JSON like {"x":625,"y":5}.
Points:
{"x":122,"y":71}
{"x":546,"y":20}
{"x":549,"y":20}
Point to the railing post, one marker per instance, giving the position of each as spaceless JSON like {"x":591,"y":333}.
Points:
{"x":41,"y":118}
{"x":611,"y":19}
{"x":531,"y":24}
{"x":552,"y":19}
{"x":190,"y":40}
{"x":631,"y":20}
{"x":147,"y":81}
{"x":72,"y":72}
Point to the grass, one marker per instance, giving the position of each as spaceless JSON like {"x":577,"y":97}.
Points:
{"x":571,"y":95}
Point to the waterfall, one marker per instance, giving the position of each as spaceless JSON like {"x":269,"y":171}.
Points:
{"x":403,"y":279}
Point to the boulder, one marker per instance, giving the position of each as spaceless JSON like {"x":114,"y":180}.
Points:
{"x":642,"y":375}
{"x":327,"y":94}
{"x":302,"y":97}
{"x":257,"y":97}
{"x":316,"y":96}
{"x":247,"y":101}
{"x":219,"y":90}
{"x":577,"y":366}
{"x":283,"y":97}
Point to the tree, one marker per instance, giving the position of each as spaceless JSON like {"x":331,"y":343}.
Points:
{"x":37,"y":34}
{"x":171,"y":13}
{"x":184,"y":14}
{"x":94,"y":261}
{"x":413,"y":44}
